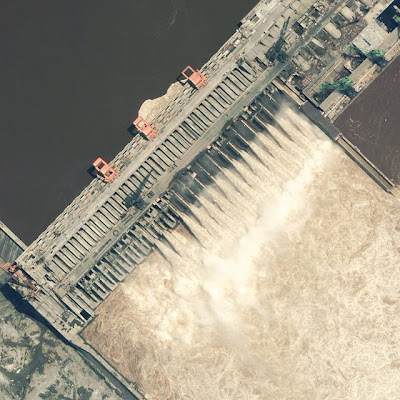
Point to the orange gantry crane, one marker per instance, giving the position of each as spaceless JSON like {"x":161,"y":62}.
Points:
{"x":195,"y":77}
{"x":143,"y":126}
{"x":104,"y":170}
{"x":20,"y":277}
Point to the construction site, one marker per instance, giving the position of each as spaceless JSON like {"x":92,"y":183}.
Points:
{"x":314,"y":56}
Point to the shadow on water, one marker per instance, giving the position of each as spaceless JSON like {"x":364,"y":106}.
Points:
{"x":132,"y":130}
{"x":92,"y":171}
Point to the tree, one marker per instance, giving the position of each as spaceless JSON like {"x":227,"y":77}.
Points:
{"x":377,"y":56}
{"x":277,"y":52}
{"x":327,"y":87}
{"x":343,"y":85}
{"x":396,"y":19}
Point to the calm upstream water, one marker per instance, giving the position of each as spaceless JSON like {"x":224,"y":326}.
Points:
{"x":73,"y":75}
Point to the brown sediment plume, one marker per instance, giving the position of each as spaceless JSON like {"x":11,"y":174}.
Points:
{"x":296,"y":297}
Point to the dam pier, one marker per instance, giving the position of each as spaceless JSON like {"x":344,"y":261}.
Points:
{"x":288,"y":51}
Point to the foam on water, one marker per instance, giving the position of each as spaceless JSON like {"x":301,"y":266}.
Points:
{"x":292,"y":295}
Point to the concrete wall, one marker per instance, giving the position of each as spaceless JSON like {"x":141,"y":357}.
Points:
{"x":10,"y":245}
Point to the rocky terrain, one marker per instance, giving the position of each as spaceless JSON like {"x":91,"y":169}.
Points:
{"x":35,"y":364}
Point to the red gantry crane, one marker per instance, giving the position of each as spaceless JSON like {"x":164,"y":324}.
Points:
{"x":104,"y":170}
{"x":20,"y":277}
{"x":143,"y":126}
{"x":195,"y":77}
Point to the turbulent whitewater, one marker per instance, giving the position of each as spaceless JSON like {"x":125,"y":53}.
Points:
{"x":284,"y":286}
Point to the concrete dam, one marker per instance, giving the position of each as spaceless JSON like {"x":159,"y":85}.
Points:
{"x":227,"y":121}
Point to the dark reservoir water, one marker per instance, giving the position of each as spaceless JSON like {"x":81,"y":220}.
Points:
{"x":372,"y":121}
{"x":73,"y":75}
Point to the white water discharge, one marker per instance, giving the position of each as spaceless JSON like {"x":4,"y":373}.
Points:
{"x":292,"y":294}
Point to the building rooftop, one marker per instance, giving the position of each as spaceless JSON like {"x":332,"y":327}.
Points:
{"x":371,"y":37}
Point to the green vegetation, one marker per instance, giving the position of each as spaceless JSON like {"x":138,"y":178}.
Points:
{"x":343,"y":85}
{"x":277,"y":52}
{"x":377,"y":56}
{"x":396,"y":19}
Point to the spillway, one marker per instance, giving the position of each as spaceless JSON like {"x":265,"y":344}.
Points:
{"x":272,"y":286}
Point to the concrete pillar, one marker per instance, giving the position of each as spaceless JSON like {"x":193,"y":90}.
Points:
{"x":163,"y":158}
{"x":93,"y":230}
{"x":207,"y":111}
{"x":239,"y":87}
{"x":133,"y":252}
{"x":173,"y":142}
{"x":189,"y":131}
{"x":105,"y":217}
{"x":223,"y":95}
{"x":198,"y":129}
{"x":159,"y":162}
{"x":118,"y":206}
{"x":80,"y":245}
{"x":183,"y":137}
{"x":135,"y":181}
{"x":168,"y":153}
{"x":219,"y":101}
{"x":59,"y":271}
{"x":230,"y":89}
{"x":99,"y":223}
{"x":68,"y":263}
{"x":156,"y":167}
{"x":145,"y":176}
{"x":73,"y":306}
{"x":88,"y":235}
{"x":217,"y":106}
{"x":107,"y":206}
{"x":247,"y":79}
{"x":127,"y":188}
{"x":74,"y":250}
